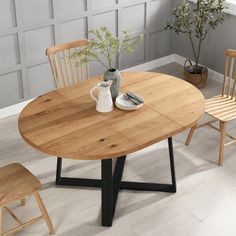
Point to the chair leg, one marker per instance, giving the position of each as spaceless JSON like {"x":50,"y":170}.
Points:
{"x":23,"y":202}
{"x":44,"y":213}
{"x":190,"y":135}
{"x":222,"y":142}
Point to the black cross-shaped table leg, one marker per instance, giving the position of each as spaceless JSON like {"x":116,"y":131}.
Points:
{"x":112,"y":183}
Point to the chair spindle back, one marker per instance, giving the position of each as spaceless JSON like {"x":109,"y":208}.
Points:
{"x":67,"y":67}
{"x":230,"y":74}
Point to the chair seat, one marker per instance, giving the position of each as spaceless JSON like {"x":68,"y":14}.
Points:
{"x":16,"y":182}
{"x":222,"y":108}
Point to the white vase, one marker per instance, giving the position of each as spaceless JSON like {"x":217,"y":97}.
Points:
{"x":115,"y":76}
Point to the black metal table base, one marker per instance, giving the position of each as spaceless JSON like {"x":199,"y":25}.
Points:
{"x":111,"y":183}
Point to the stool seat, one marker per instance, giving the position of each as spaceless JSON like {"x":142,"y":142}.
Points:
{"x":16,"y":182}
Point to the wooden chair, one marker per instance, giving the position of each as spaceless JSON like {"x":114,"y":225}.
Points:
{"x":222,"y":107}
{"x":16,"y":183}
{"x":67,"y":67}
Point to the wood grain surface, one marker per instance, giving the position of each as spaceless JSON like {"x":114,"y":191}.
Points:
{"x":65,"y":122}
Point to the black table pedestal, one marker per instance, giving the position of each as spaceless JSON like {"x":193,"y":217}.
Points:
{"x":111,"y":183}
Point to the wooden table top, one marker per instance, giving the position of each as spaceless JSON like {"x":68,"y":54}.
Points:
{"x":65,"y":123}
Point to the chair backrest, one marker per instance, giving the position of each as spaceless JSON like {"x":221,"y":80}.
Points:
{"x":230,"y":74}
{"x":67,"y":67}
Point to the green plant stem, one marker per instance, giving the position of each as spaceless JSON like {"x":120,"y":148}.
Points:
{"x":99,"y":61}
{"x":109,"y":57}
{"x":199,"y":51}
{"x":192,"y":44}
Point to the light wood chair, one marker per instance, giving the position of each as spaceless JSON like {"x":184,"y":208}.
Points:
{"x":222,"y":107}
{"x":17,"y":183}
{"x":67,"y":67}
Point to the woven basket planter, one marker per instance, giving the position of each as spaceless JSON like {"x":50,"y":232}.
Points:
{"x":196,"y":79}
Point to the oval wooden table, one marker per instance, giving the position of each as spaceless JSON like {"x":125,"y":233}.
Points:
{"x":64,"y":123}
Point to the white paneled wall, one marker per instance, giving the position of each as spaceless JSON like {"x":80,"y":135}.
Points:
{"x":28,"y":27}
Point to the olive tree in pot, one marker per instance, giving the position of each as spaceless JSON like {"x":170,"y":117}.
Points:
{"x":106,"y":49}
{"x":195,"y":20}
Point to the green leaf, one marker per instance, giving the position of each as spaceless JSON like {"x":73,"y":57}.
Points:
{"x":104,"y":47}
{"x":198,"y":18}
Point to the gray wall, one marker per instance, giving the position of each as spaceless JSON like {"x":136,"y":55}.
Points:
{"x":216,"y":43}
{"x":28,"y":27}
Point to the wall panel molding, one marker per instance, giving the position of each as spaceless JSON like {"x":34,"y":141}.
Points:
{"x":41,"y":23}
{"x":17,"y":108}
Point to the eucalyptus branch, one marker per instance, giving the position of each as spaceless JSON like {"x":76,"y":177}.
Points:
{"x":124,"y":50}
{"x":104,"y":45}
{"x":99,"y":61}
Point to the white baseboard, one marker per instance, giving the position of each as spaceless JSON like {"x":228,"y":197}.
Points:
{"x":179,"y":59}
{"x":153,"y":64}
{"x":14,"y":109}
{"x":17,"y":108}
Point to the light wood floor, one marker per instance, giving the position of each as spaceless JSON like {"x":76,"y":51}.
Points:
{"x":205,"y":204}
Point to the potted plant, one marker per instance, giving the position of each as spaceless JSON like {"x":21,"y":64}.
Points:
{"x":106,"y":49}
{"x":195,"y":20}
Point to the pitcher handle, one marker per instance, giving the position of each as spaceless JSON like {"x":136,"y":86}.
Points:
{"x":91,"y":93}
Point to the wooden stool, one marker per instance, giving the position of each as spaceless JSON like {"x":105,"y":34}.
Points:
{"x":16,"y":183}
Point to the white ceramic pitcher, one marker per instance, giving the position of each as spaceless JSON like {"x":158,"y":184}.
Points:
{"x":104,"y":100}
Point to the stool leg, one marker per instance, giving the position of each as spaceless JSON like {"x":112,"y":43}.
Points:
{"x":44,"y":213}
{"x":23,"y":202}
{"x":190,"y":135}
